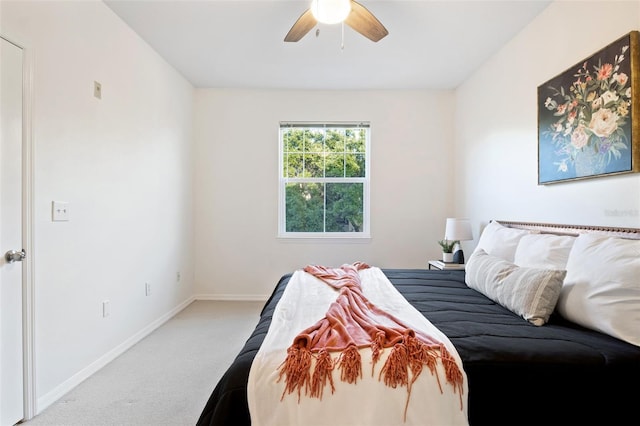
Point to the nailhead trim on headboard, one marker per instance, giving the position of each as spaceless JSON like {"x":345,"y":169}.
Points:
{"x":553,"y":228}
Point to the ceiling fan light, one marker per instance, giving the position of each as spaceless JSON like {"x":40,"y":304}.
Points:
{"x":330,"y":11}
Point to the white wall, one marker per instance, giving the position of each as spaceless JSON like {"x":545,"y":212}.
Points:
{"x":496,"y":124}
{"x":124,"y":163}
{"x":236,"y":182}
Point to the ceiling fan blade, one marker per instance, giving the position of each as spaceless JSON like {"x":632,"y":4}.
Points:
{"x":303,"y":25}
{"x":363,"y":21}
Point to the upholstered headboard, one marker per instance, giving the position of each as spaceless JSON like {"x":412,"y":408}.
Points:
{"x":552,"y":228}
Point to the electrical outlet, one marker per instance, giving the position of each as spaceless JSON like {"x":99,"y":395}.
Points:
{"x":106,"y":308}
{"x":147,"y":289}
{"x":97,"y":90}
{"x":59,"y":211}
{"x":178,"y":277}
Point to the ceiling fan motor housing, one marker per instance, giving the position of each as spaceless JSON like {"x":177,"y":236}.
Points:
{"x":330,"y":11}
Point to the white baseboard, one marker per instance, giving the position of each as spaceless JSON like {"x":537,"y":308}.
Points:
{"x":233,"y":297}
{"x":46,"y":400}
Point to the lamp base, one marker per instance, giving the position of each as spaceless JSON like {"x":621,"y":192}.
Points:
{"x":458,"y":257}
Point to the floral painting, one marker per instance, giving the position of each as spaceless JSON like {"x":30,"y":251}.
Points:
{"x":585,"y":125}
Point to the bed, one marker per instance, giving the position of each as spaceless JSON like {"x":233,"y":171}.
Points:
{"x":572,"y":369}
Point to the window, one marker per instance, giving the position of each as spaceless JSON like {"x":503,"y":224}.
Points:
{"x":324,"y":180}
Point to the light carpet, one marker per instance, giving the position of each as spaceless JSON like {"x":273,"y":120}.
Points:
{"x":167,"y":377}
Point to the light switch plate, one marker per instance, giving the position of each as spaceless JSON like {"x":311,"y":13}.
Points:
{"x":60,"y":211}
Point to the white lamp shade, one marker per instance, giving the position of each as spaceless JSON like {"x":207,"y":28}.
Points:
{"x":458,"y":229}
{"x":330,"y":11}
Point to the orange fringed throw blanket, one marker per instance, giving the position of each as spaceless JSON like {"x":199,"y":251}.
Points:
{"x":352,"y":322}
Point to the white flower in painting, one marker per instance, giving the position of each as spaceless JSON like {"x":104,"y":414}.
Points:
{"x":568,"y":129}
{"x":562,"y":166}
{"x":558,"y":126}
{"x":609,"y":96}
{"x":597,"y":103}
{"x":604,"y":122}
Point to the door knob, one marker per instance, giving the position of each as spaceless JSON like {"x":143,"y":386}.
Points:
{"x":15,"y":256}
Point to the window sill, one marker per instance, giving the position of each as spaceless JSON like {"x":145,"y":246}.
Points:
{"x":341,"y":237}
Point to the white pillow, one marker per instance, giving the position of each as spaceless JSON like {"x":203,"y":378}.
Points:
{"x":500,"y":241}
{"x":531,"y":293}
{"x":602,"y":288}
{"x":545,"y":251}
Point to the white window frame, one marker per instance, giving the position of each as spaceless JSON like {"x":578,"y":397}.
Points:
{"x":283,"y":181}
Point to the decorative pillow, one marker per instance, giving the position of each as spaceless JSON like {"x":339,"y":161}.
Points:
{"x":544,"y":251}
{"x":531,"y":293}
{"x":500,"y":241}
{"x":602,"y":287}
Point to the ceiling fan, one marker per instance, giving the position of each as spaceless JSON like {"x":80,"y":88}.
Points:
{"x":350,"y":12}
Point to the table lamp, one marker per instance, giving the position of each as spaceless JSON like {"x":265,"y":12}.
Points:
{"x":458,"y":230}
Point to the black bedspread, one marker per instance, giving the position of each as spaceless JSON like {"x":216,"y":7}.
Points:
{"x":519,"y":374}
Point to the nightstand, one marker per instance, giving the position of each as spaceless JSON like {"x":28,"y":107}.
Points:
{"x":439,"y":264}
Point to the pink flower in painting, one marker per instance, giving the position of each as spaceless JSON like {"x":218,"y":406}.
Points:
{"x":603,"y":123}
{"x":605,"y":71}
{"x":621,"y":78}
{"x":579,"y":137}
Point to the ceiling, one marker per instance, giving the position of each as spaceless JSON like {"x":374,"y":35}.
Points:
{"x":239,"y":44}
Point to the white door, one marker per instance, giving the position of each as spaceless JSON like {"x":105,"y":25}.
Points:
{"x":11,"y":359}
